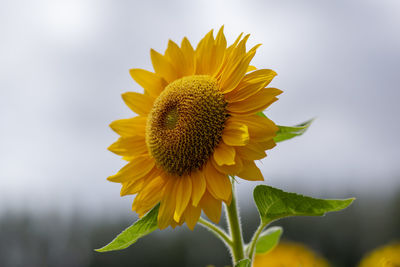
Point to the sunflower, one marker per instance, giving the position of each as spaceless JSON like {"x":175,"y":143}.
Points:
{"x":289,"y":254}
{"x":386,"y":256}
{"x":197,"y":124}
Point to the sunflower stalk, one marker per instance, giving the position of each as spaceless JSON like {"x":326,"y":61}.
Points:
{"x":235,"y":229}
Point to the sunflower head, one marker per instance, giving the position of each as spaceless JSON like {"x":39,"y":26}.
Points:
{"x":289,"y":254}
{"x":386,"y":256}
{"x":196,"y":124}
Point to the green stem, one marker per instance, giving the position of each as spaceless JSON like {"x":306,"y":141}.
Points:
{"x":250,"y":249}
{"x":235,"y":229}
{"x":217,"y":231}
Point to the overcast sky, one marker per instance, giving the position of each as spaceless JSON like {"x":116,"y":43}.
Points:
{"x":65,"y":64}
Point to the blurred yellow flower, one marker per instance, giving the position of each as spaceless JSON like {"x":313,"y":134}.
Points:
{"x":289,"y":254}
{"x":196,"y":125}
{"x":386,"y":256}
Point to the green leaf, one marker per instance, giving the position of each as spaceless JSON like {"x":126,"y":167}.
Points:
{"x":243,"y":263}
{"x":130,"y":235}
{"x":269,"y":239}
{"x":261,"y":114}
{"x":288,"y":132}
{"x":273,"y":204}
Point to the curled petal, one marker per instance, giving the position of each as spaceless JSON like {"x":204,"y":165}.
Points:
{"x":235,"y":133}
{"x":224,"y":154}
{"x":230,"y":169}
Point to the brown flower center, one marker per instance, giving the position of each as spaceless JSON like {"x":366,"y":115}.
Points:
{"x":186,"y":123}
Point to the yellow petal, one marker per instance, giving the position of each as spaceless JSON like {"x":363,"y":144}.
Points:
{"x":235,"y":133}
{"x":151,"y":82}
{"x":205,"y":54}
{"x":241,"y":47}
{"x":132,"y":187}
{"x":174,"y":224}
{"x":235,"y":43}
{"x":167,"y":206}
{"x":229,"y":169}
{"x":192,"y":215}
{"x":134,"y":170}
{"x":183,"y":194}
{"x":251,"y":151}
{"x":260,"y":128}
{"x":129,"y":146}
{"x":250,"y":171}
{"x":138,"y":103}
{"x":262,"y":75}
{"x":150,"y":195}
{"x":251,"y":68}
{"x":237,"y":53}
{"x":162,"y":66}
{"x":239,"y":94}
{"x":250,"y":84}
{"x":218,"y":184}
{"x":255,"y":103}
{"x":198,"y":187}
{"x":220,"y":47}
{"x":232,"y":79}
{"x":189,"y":54}
{"x":226,"y":61}
{"x":267,"y":144}
{"x":176,"y":58}
{"x":130,"y":127}
{"x":224,"y":154}
{"x":211,"y":207}
{"x":233,"y":56}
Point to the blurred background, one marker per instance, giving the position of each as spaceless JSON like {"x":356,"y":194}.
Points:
{"x":64,"y":65}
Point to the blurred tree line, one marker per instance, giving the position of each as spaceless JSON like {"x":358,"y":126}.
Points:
{"x":52,"y":240}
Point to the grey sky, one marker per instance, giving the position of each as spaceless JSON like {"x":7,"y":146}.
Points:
{"x":65,"y":64}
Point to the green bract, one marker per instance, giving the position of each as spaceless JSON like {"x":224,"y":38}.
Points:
{"x":288,"y":132}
